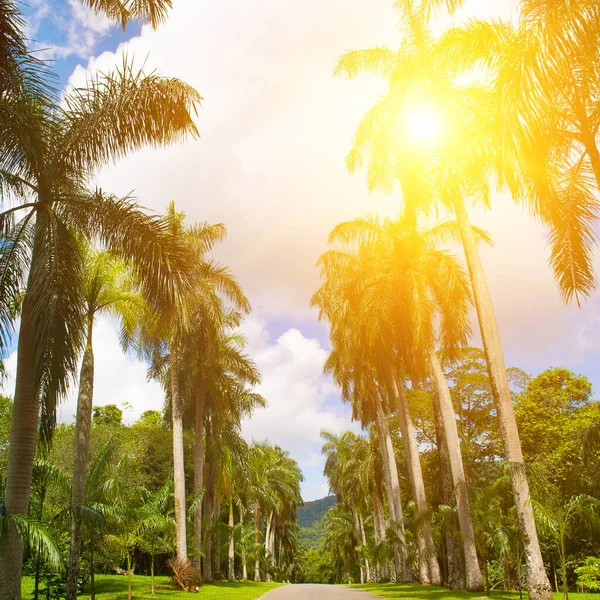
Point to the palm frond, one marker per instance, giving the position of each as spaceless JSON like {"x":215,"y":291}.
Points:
{"x":124,"y":111}
{"x":153,"y":11}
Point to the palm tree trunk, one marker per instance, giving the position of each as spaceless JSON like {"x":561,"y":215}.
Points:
{"x":538,"y":584}
{"x":152,"y":573}
{"x":207,"y":562}
{"x":363,"y":539}
{"x":358,"y":537}
{"x":392,"y":484}
{"x":231,"y":557}
{"x":429,"y":568}
{"x":268,"y":553}
{"x":21,"y":453}
{"x":379,"y":525}
{"x":455,"y":578}
{"x":83,"y":429}
{"x":198,"y":476}
{"x":178,"y":464}
{"x":473,"y":579}
{"x":244,"y":562}
{"x":257,"y":536}
{"x":217,"y":529}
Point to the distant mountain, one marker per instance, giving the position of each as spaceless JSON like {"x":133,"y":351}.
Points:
{"x":309,"y":518}
{"x":313,"y":512}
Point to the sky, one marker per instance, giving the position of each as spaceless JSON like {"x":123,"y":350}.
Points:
{"x":275,"y":128}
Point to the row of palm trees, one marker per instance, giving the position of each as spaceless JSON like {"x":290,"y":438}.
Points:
{"x":516,"y":106}
{"x":71,"y":251}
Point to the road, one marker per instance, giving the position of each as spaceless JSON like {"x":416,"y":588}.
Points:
{"x":310,"y":591}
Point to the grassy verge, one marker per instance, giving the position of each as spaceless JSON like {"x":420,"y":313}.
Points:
{"x":114,"y":587}
{"x":410,"y":591}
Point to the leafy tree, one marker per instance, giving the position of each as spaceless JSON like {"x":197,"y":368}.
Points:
{"x":588,"y":574}
{"x":552,"y":410}
{"x":109,"y":414}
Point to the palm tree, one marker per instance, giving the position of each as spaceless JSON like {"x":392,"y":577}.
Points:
{"x":108,"y":286}
{"x":547,"y":89}
{"x":220,"y":374}
{"x":458,"y":167}
{"x":163,"y":335}
{"x":342,"y":464}
{"x":45,"y":474}
{"x":275,"y":487}
{"x":50,"y":149}
{"x":399,"y":282}
{"x":156,"y":525}
{"x":340,"y":541}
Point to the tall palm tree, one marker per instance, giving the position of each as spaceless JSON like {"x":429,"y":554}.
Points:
{"x":399,"y":282}
{"x":455,"y":169}
{"x":349,"y":481}
{"x":108,"y":287}
{"x":275,"y":487}
{"x":545,"y":76}
{"x":229,"y":402}
{"x":351,"y":364}
{"x":50,"y":149}
{"x":219,"y":378}
{"x":163,"y":334}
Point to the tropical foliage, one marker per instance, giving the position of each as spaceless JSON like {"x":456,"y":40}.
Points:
{"x":465,"y":473}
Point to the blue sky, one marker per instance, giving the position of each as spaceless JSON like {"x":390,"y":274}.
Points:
{"x":275,"y":127}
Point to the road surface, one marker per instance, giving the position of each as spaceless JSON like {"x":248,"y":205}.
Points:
{"x":310,"y":591}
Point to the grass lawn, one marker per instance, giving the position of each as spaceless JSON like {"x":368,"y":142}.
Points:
{"x":410,"y":591}
{"x":114,"y":587}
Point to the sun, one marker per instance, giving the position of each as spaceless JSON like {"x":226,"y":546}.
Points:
{"x":423,"y":125}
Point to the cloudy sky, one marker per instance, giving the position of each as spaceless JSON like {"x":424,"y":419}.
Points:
{"x":275,"y":128}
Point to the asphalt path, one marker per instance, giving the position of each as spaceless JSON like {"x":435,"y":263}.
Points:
{"x":310,"y":591}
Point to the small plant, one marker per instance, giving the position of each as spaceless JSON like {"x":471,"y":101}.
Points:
{"x":183,"y":575}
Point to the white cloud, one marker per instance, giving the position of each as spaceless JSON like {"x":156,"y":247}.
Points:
{"x":298,"y":393}
{"x":76,"y":29}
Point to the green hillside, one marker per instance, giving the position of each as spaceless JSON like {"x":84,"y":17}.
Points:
{"x":309,"y":518}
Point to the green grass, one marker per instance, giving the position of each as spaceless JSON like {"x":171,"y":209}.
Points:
{"x":114,"y":587}
{"x":413,"y":591}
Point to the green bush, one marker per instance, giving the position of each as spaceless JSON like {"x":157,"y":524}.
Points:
{"x":588,"y":575}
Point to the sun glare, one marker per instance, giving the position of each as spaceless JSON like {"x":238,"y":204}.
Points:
{"x":423,"y":125}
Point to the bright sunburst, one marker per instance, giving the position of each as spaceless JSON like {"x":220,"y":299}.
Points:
{"x":423,"y":125}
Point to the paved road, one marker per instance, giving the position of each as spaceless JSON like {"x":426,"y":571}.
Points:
{"x":310,"y":591}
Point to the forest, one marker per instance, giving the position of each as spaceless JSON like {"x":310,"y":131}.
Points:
{"x":558,"y":418}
